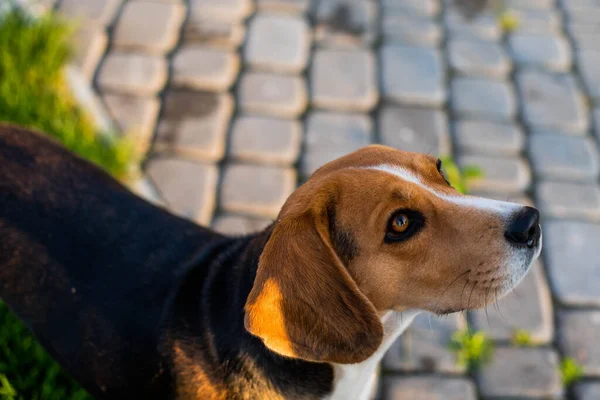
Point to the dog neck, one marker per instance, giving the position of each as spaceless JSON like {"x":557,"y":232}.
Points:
{"x":356,"y":381}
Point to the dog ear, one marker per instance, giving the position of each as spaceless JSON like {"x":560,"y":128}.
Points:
{"x":304,"y":303}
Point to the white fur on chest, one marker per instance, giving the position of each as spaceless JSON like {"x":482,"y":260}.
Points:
{"x":355,"y":381}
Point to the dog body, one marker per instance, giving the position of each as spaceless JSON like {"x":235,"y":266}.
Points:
{"x":137,"y":303}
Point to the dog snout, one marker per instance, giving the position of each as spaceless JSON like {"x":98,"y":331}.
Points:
{"x":524,"y":228}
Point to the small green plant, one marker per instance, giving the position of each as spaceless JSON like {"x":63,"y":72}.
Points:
{"x":7,"y":392}
{"x":570,"y":371}
{"x":521,"y":338}
{"x":457,"y":176}
{"x":508,"y":21}
{"x":473,"y":349}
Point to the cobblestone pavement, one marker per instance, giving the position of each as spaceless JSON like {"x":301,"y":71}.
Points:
{"x":238,"y":101}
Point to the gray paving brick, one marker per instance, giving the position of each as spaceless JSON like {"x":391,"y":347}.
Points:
{"x":487,"y":137}
{"x":521,"y":373}
{"x":412,"y":75}
{"x":410,"y":29}
{"x":572,"y":260}
{"x":277,"y":43}
{"x":345,"y":22}
{"x":530,"y":4}
{"x":225,"y":35}
{"x":552,"y":101}
{"x":528,"y":308}
{"x":585,"y":41}
{"x":578,"y":336}
{"x":289,"y":6}
{"x":588,"y":61}
{"x":583,"y":14}
{"x":421,"y":130}
{"x":148,"y":26}
{"x":484,"y":25}
{"x":509,"y":175}
{"x":552,"y":52}
{"x":596,"y":119}
{"x":483,"y":98}
{"x":587,"y":390}
{"x":276,"y":95}
{"x":424,"y":346}
{"x":135,"y":117}
{"x":188,"y":188}
{"x":569,"y":200}
{"x":330,"y":135}
{"x":256,"y":190}
{"x":263,"y":140}
{"x":575,"y":4}
{"x":100,"y":12}
{"x":204,"y":68}
{"x":88,"y":47}
{"x":412,"y":7}
{"x":343,"y":79}
{"x":478,"y":58}
{"x":136,"y":74}
{"x":546,"y":22}
{"x":428,"y":388}
{"x":239,"y":225}
{"x":220,"y":10}
{"x":564,"y":157}
{"x":194,"y":124}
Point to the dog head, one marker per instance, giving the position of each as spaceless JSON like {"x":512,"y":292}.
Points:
{"x":378,"y":230}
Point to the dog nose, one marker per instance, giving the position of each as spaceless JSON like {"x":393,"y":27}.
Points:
{"x":524,"y":229}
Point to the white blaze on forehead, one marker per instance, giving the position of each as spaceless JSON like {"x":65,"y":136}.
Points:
{"x":499,"y":207}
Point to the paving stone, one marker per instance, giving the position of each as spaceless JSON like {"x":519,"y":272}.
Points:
{"x":487,"y":137}
{"x":579,"y":334}
{"x":569,"y":200}
{"x":343,"y":80}
{"x":587,"y":390}
{"x":203,"y":68}
{"x":510,"y":175}
{"x":239,"y":225}
{"x":216,"y":34}
{"x":423,"y":346}
{"x":564,"y":157}
{"x":596,"y":119}
{"x":97,"y":12}
{"x":263,"y":140}
{"x":88,"y":47}
{"x":585,"y":41}
{"x":331,"y":135}
{"x":544,"y":22}
{"x":289,"y":6}
{"x":583,"y":15}
{"x":529,"y":4}
{"x":137,"y":74}
{"x":428,"y":388}
{"x":573,"y":262}
{"x":410,"y":29}
{"x":552,"y":101}
{"x":575,"y":4}
{"x":483,"y":98}
{"x":412,"y":75}
{"x":256,"y":190}
{"x":528,"y":307}
{"x":552,"y":52}
{"x":427,"y":8}
{"x":189,"y":188}
{"x":277,"y":95}
{"x":148,"y":26}
{"x":479,"y":58}
{"x":421,"y":130}
{"x":484,"y":25}
{"x":345,"y":22}
{"x":135,"y":117}
{"x":588,"y":61}
{"x":194,"y":124}
{"x":521,"y":373}
{"x":277,"y":43}
{"x":219,"y":10}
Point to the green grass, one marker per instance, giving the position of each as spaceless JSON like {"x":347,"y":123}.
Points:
{"x":459,"y":177}
{"x":521,"y":338}
{"x":570,"y":371}
{"x":473,"y":349}
{"x":33,"y":93}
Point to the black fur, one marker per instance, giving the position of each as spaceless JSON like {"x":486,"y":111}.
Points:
{"x":108,"y":283}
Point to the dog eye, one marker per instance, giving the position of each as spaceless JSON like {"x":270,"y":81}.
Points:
{"x":404,"y":224}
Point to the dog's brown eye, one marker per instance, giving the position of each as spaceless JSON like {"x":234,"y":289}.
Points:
{"x":400,"y":223}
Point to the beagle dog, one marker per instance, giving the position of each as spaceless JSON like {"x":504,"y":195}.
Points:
{"x":137,"y":303}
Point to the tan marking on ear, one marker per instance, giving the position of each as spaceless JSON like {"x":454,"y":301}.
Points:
{"x":264,"y":318}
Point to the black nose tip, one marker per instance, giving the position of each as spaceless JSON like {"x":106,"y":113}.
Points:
{"x":524,"y":229}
